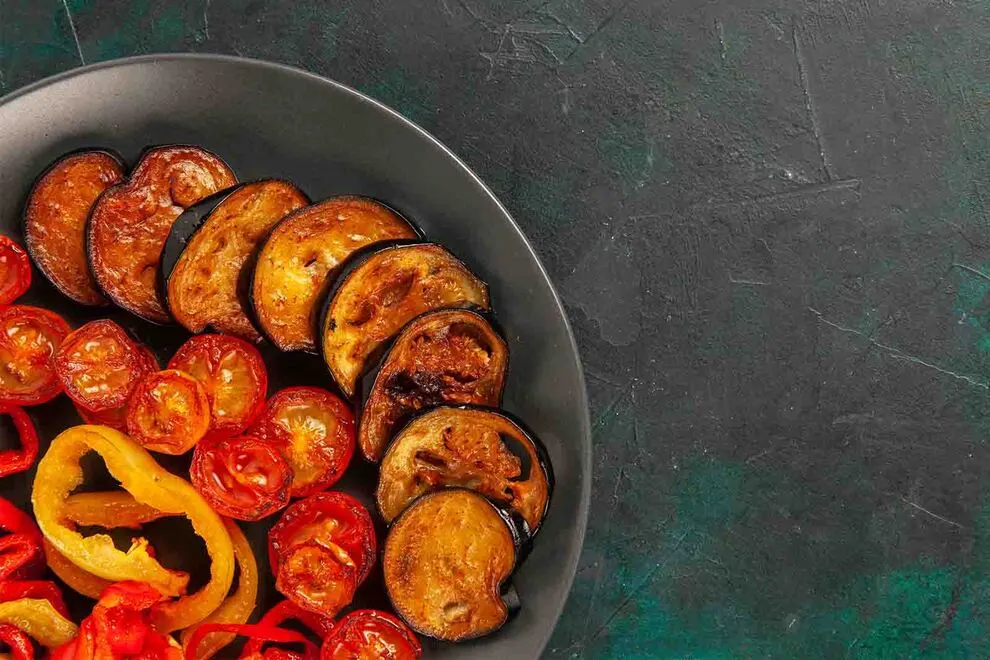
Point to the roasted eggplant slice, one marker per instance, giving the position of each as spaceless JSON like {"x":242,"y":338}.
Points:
{"x":55,"y":219}
{"x":205,"y":262}
{"x":446,"y":561}
{"x":480,"y":449}
{"x":380,"y":291}
{"x":129,"y":223}
{"x":451,"y":356}
{"x":296,"y":262}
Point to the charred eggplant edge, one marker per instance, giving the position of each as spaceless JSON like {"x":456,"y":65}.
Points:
{"x":251,"y":308}
{"x":89,"y":228}
{"x":184,"y":229}
{"x":507,"y":590}
{"x":542,"y":455}
{"x":116,"y":156}
{"x":346,"y":269}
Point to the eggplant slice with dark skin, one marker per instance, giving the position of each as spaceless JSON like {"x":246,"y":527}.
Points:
{"x":298,"y":259}
{"x":205,"y":263}
{"x":379,"y":291}
{"x":451,"y":356}
{"x":481,"y":449}
{"x":130,"y":222}
{"x":447,"y":560}
{"x":55,"y":219}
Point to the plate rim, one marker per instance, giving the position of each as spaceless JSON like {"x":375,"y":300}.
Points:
{"x":394,"y":115}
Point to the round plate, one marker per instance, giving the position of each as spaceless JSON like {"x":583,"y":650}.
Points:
{"x":268,"y":120}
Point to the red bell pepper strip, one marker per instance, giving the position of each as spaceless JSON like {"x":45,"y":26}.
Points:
{"x":19,"y":643}
{"x":17,"y":589}
{"x":280,"y":613}
{"x":13,"y":461}
{"x":21,"y":556}
{"x":253,"y":631}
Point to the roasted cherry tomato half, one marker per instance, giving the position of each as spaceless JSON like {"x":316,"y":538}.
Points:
{"x":115,"y":418}
{"x":15,"y":271}
{"x":29,"y":339}
{"x":232,"y":373}
{"x":99,"y":365}
{"x":371,"y":634}
{"x":317,"y":578}
{"x":168,"y":412}
{"x":243,"y":477}
{"x":315,"y":431}
{"x":317,"y":547}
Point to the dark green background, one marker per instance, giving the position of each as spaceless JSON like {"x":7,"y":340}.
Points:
{"x":769,"y":222}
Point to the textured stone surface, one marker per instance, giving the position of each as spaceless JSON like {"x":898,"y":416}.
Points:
{"x":767,"y":219}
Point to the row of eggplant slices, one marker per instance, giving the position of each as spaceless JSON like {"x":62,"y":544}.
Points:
{"x":464,"y":486}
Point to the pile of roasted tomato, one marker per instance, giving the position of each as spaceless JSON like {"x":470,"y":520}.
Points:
{"x":462,"y":487}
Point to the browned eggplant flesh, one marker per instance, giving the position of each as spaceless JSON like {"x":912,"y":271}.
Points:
{"x":130,"y":222}
{"x":299,"y":257}
{"x":206,"y":285}
{"x":445,"y":561}
{"x":381,"y":292}
{"x":482,"y":450}
{"x":451,"y":356}
{"x":55,"y":220}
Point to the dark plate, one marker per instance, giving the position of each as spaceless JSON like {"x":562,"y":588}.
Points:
{"x":268,"y":120}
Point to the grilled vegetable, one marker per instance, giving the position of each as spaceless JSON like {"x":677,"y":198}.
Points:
{"x":452,"y":356}
{"x":208,"y":255}
{"x":55,"y":219}
{"x":233,"y":375}
{"x":446,"y":560}
{"x":15,"y":270}
{"x":297,"y":260}
{"x":17,"y":460}
{"x":321,"y":549}
{"x":29,"y":338}
{"x":129,"y":223}
{"x":99,"y":365}
{"x":370,"y":633}
{"x":483,"y":450}
{"x":379,"y":292}
{"x":315,"y":431}
{"x":168,"y":412}
{"x":243,"y":478}
{"x":319,"y":626}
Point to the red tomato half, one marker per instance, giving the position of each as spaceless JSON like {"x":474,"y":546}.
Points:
{"x":115,"y":418}
{"x":371,"y":634}
{"x":242,"y":477}
{"x":29,"y":339}
{"x":15,"y":271}
{"x":315,"y":431}
{"x":319,"y":547}
{"x":232,"y":373}
{"x":99,"y":365}
{"x":168,"y":412}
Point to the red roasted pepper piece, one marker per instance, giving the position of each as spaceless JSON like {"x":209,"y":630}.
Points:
{"x":119,"y":628}
{"x":280,"y":613}
{"x":21,"y":556}
{"x":19,"y":643}
{"x":255,"y":631}
{"x":13,"y":461}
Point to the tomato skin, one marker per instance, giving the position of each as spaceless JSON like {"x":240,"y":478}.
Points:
{"x":242,"y":477}
{"x":15,"y":270}
{"x":168,"y":412}
{"x":371,"y":634}
{"x":233,"y":375}
{"x":29,"y":340}
{"x":315,"y":430}
{"x":332,"y":519}
{"x":99,"y":365}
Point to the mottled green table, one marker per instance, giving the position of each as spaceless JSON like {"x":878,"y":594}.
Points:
{"x":769,"y":220}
